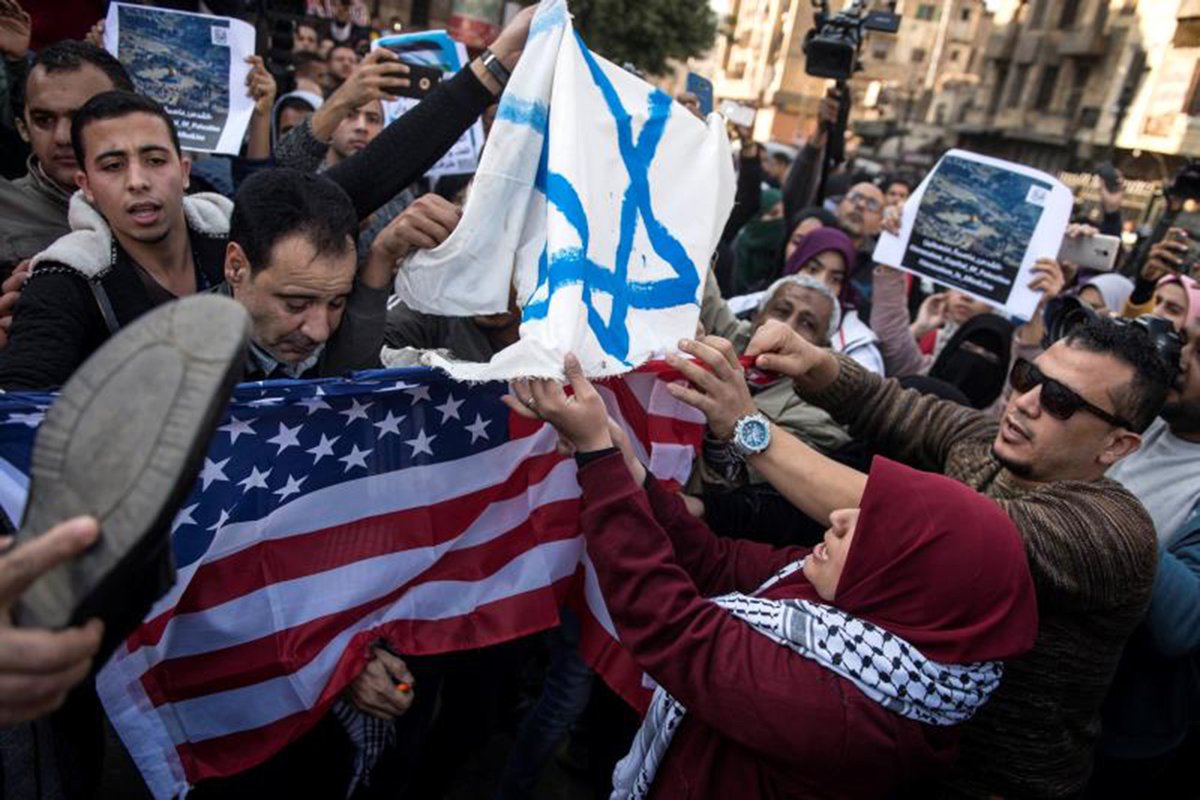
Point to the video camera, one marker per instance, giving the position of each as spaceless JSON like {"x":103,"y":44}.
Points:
{"x":831,"y":48}
{"x":1066,"y":314}
{"x":1185,"y":185}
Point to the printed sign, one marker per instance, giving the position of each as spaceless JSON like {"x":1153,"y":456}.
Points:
{"x":193,"y":64}
{"x":978,"y":224}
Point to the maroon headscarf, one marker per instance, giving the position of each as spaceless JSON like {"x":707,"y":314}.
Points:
{"x":939,"y":565}
{"x":817,"y":242}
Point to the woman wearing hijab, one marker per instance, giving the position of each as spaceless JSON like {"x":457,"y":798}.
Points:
{"x":839,"y":671}
{"x":756,"y":248}
{"x":1177,"y":298}
{"x":1107,"y":293}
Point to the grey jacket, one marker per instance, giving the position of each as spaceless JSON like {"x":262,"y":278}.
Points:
{"x":33,"y":213}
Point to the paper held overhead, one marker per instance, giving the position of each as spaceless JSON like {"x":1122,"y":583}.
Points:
{"x":193,"y":64}
{"x":979,"y":224}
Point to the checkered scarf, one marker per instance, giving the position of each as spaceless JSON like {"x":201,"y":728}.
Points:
{"x":370,"y":736}
{"x":881,"y":665}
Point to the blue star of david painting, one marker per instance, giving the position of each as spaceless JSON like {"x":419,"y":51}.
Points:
{"x":573,"y":266}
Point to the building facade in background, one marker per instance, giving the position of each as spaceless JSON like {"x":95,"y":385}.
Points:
{"x":1069,"y":83}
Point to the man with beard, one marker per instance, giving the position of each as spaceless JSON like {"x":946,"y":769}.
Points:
{"x":342,"y":61}
{"x":1074,"y":413}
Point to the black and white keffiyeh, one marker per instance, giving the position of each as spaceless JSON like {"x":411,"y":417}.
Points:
{"x":880,"y":664}
{"x":370,"y":736}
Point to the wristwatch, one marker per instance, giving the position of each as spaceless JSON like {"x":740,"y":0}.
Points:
{"x":751,"y":435}
{"x":491,"y":62}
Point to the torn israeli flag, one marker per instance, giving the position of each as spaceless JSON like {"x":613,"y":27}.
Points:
{"x":597,"y":206}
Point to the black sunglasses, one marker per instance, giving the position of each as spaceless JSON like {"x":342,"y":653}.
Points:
{"x":1060,"y":401}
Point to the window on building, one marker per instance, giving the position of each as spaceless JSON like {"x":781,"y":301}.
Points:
{"x":1192,"y":107}
{"x":880,"y":51}
{"x":1070,"y":11}
{"x":1017,"y":85}
{"x":965,"y":15}
{"x":954,"y":54}
{"x":926,"y":11}
{"x":918,"y":55}
{"x":997,"y":88}
{"x":1038,"y":15}
{"x":1045,"y":92}
{"x":1078,"y":85}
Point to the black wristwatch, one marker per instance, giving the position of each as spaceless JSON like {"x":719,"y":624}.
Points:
{"x":494,"y":66}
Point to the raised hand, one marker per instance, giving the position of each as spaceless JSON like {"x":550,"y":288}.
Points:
{"x":16,"y":28}
{"x":718,"y":383}
{"x":384,"y":689}
{"x":581,"y":419}
{"x":260,"y":86}
{"x":775,"y":347}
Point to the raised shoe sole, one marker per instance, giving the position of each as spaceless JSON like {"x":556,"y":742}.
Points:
{"x":124,"y":442}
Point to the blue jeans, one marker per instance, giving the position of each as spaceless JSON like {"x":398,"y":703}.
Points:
{"x":565,"y":693}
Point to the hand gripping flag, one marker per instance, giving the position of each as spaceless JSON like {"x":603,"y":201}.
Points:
{"x":328,"y":514}
{"x":597,"y":205}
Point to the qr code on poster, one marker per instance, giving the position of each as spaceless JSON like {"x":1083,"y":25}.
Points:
{"x":1036,"y":196}
{"x":220,"y":35}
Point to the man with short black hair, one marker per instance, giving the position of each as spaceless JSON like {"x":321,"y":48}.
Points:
{"x":342,"y":60}
{"x":291,"y":261}
{"x":1074,"y":413}
{"x":311,"y":72}
{"x":305,"y":39}
{"x":33,"y":209}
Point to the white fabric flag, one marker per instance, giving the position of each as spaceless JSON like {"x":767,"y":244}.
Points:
{"x":598,"y":200}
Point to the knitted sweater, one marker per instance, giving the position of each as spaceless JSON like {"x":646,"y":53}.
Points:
{"x":1092,"y":551}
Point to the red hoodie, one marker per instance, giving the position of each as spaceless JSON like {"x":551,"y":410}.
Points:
{"x":931,"y":561}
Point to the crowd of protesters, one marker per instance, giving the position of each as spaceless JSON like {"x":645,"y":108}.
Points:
{"x":965,"y":560}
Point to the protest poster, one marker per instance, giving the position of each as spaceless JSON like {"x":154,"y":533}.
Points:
{"x":434,"y":49}
{"x":193,"y":64}
{"x":978,"y":224}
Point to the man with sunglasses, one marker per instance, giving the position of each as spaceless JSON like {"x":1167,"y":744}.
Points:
{"x":1074,"y":413}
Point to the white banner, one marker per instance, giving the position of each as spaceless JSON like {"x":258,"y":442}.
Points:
{"x":597,"y":205}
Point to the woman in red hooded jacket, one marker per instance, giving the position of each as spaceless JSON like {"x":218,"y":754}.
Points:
{"x":836,"y":672}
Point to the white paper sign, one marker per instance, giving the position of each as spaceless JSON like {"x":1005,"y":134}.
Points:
{"x":978,"y":224}
{"x":598,"y":201}
{"x":193,"y":64}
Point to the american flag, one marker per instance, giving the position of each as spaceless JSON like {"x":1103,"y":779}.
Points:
{"x":330,"y":513}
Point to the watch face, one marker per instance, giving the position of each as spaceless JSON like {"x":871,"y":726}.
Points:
{"x":755,"y":433}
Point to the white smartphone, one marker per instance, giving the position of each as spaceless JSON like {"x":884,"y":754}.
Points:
{"x":738,"y":114}
{"x":1097,"y":252}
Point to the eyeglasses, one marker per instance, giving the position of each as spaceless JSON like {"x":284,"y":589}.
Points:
{"x":1059,"y":401}
{"x":868,"y":202}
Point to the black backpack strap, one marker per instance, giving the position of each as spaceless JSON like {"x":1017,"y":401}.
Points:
{"x":106,"y":309}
